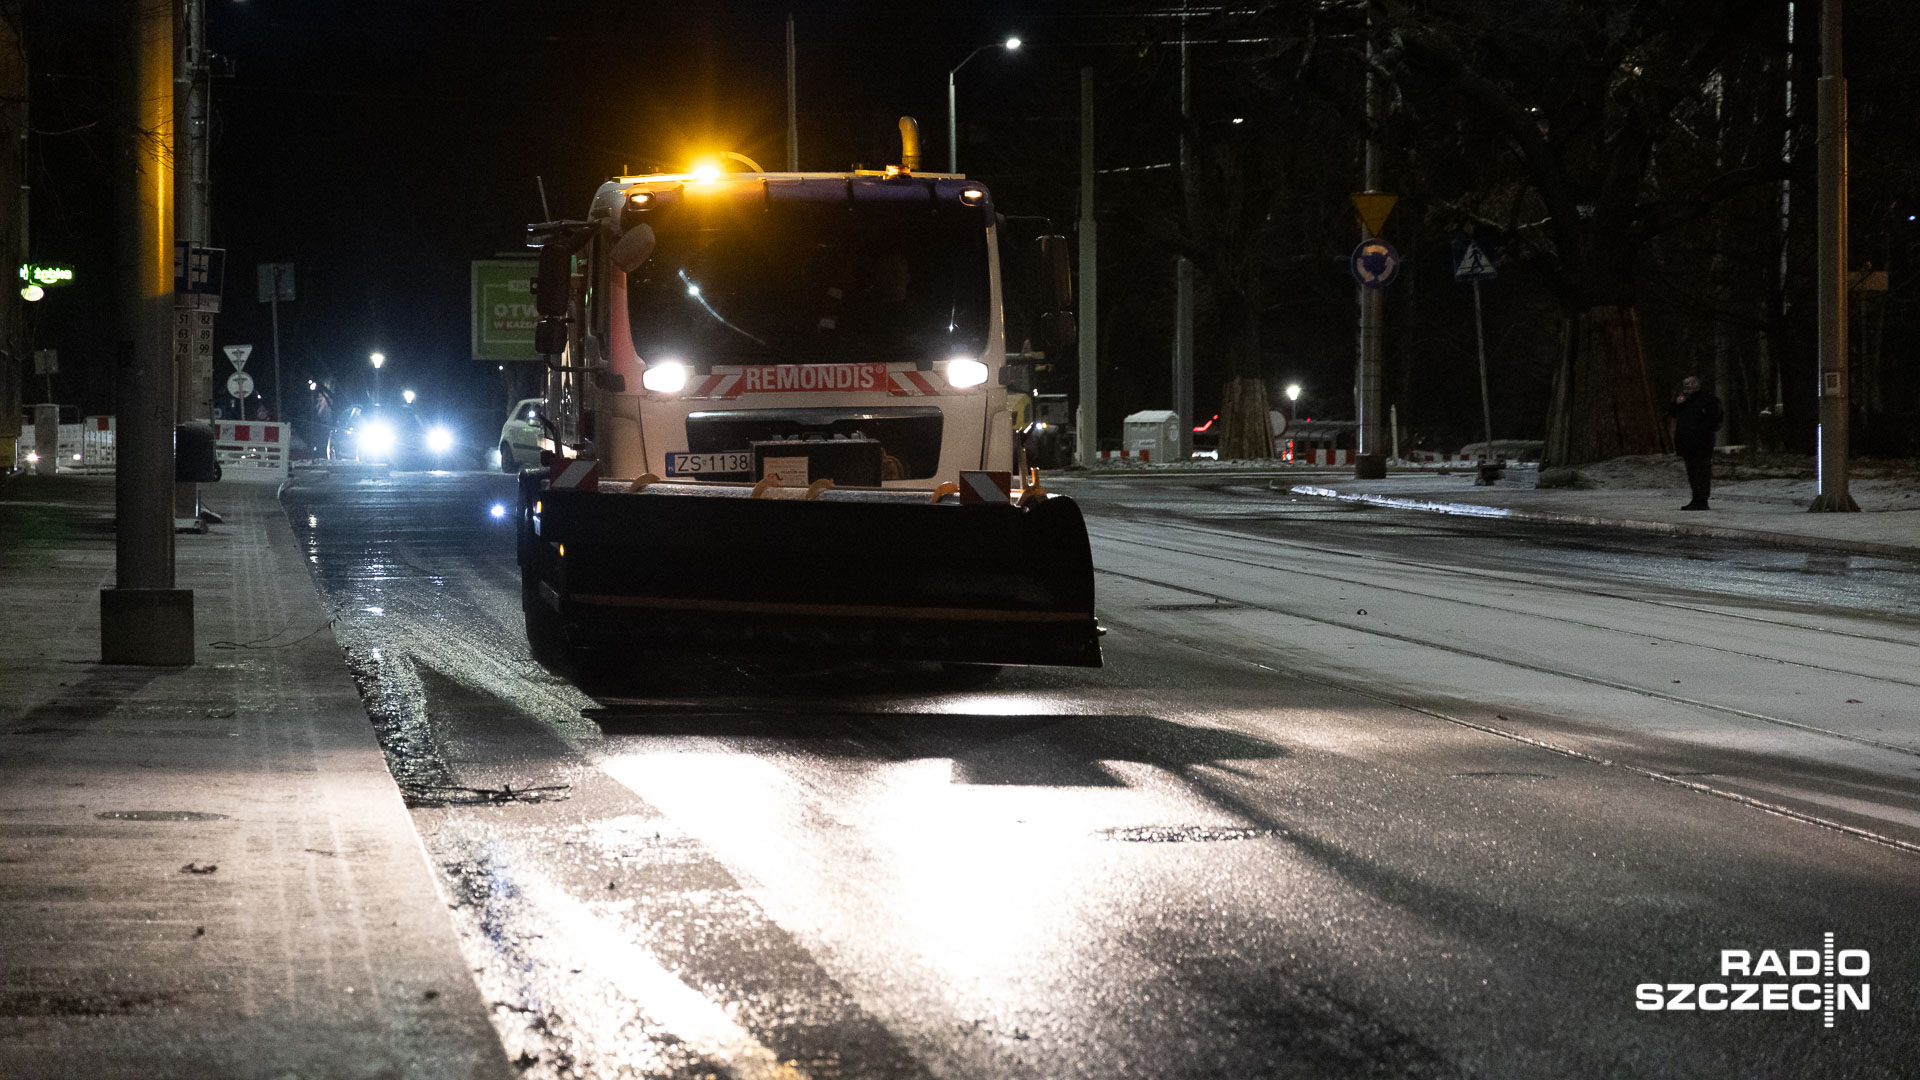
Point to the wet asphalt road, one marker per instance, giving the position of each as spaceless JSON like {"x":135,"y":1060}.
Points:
{"x":1358,"y":793}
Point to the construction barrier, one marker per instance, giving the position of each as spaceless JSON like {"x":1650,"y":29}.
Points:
{"x":251,"y":451}
{"x":72,"y":453}
{"x":97,"y":445}
{"x":1124,"y":455}
{"x":1315,"y":455}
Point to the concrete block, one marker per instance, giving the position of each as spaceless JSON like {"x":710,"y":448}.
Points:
{"x":146,"y":626}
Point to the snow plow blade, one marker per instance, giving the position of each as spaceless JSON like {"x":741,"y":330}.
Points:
{"x":855,"y":573}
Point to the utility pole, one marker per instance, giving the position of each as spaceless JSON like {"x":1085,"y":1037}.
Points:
{"x":793,"y":104}
{"x":14,"y":344}
{"x":193,"y":330}
{"x":1831,"y":462}
{"x":1368,"y":462}
{"x":1087,"y":422}
{"x":14,"y":341}
{"x":144,"y":619}
{"x":1183,"y":278}
{"x":279,"y":272}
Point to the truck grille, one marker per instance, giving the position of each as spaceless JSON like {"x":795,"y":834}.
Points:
{"x":909,"y":435}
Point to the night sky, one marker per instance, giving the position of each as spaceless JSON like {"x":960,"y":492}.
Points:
{"x":381,"y":146}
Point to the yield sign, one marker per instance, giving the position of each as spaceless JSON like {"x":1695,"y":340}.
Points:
{"x":237,"y":355}
{"x":1473,"y":264}
{"x":1374,"y":206}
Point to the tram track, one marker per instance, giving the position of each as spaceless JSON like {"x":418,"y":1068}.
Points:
{"x":1872,"y":836}
{"x":1523,"y":612}
{"x":1302,"y":612}
{"x":1202,"y":528}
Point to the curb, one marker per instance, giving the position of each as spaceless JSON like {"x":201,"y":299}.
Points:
{"x":1661,"y":528}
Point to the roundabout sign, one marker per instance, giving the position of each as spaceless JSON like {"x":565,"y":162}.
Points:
{"x":1374,"y":263}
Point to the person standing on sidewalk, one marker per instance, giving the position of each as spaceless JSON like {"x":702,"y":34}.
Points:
{"x":1696,"y":416}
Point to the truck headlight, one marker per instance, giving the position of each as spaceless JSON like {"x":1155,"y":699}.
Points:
{"x":665,"y":377}
{"x":376,"y":438}
{"x":439,"y":440}
{"x":964,"y":371}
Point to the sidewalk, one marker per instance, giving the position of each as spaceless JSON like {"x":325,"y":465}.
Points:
{"x":1771,"y":511}
{"x":209,"y":871}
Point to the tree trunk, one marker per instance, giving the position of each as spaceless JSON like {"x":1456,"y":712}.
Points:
{"x":1604,"y":405}
{"x":1244,"y":432}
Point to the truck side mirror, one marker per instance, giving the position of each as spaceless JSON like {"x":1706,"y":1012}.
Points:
{"x":1060,"y":330}
{"x":1056,"y":274}
{"x":554,"y":282}
{"x":550,"y":337}
{"x":633,"y":249}
{"x":1058,"y":327}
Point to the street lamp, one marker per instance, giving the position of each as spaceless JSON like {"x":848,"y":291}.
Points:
{"x":953,"y":138}
{"x":408,"y":395}
{"x":376,"y":360}
{"x":1293,"y":401}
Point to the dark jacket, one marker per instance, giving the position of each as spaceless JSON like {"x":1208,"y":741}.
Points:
{"x":1695,"y":419}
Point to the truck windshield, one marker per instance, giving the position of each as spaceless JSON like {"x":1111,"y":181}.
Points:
{"x":751,"y":282}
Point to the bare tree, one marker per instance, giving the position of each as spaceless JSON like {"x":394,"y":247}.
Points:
{"x":1598,"y":100}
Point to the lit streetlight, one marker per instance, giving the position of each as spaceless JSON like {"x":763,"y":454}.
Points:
{"x":408,"y":395}
{"x":953,"y":138}
{"x":377,"y":360}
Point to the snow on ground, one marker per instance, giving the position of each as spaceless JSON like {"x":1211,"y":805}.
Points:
{"x":1786,"y":478}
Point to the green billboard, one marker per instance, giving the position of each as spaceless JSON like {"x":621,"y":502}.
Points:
{"x":503,"y":312}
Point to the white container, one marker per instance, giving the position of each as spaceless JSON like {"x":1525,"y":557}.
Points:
{"x":1153,"y":435}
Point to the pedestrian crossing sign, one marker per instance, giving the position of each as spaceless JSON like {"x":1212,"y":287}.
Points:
{"x":1472,"y":264}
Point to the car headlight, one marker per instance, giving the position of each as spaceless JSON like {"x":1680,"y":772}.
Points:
{"x":665,"y":377}
{"x":376,"y":438}
{"x":964,"y":371}
{"x":439,"y":440}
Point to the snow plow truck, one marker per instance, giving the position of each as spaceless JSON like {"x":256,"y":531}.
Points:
{"x":777,"y":422}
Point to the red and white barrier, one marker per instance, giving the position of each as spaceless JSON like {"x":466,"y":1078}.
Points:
{"x":251,"y":450}
{"x":1125,"y":455}
{"x":1314,"y":455}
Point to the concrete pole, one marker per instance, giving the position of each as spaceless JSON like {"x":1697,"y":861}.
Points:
{"x":144,"y":619}
{"x":1368,"y":462}
{"x":1087,"y":422}
{"x":193,"y":390}
{"x":1831,"y":462}
{"x":1183,"y":281}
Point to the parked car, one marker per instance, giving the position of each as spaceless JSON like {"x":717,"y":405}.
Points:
{"x":520,"y":435}
{"x":398,"y":437}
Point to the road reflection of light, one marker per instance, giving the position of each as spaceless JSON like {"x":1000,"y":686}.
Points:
{"x":952,"y":874}
{"x":996,"y":705}
{"x":312,"y":522}
{"x":547,"y":954}
{"x":603,"y":954}
{"x":374,"y":610}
